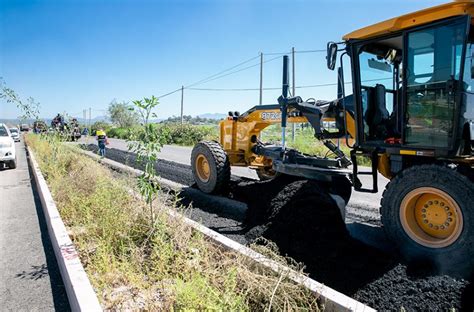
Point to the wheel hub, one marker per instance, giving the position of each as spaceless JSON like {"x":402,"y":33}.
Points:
{"x":202,"y":168}
{"x":435,"y":216}
{"x":431,"y":217}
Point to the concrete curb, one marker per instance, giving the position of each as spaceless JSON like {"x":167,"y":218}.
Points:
{"x":80,"y":293}
{"x":334,"y":300}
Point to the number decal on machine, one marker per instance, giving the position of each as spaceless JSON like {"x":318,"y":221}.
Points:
{"x":271,"y":115}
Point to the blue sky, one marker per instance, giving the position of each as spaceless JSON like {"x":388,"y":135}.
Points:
{"x":71,"y":55}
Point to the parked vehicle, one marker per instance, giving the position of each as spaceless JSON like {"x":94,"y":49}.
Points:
{"x":15,"y":134}
{"x":24,"y":127}
{"x":7,"y":148}
{"x":72,"y":128}
{"x":39,"y":126}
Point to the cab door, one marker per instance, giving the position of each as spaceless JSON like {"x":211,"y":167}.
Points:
{"x":433,"y":66}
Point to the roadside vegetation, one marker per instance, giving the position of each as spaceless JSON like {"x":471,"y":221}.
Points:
{"x":163,"y":265}
{"x":177,"y":134}
{"x":305,"y":142}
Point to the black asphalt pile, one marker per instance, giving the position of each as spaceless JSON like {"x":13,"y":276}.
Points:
{"x":258,"y":194}
{"x":306,"y":225}
{"x":397,"y":288}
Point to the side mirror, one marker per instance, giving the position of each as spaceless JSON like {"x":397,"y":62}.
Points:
{"x":331,"y":55}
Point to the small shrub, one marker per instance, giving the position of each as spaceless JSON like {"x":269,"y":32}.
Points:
{"x":122,"y":133}
{"x":100,"y":125}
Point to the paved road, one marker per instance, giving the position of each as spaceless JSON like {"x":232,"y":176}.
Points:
{"x":29,"y":275}
{"x":178,"y":154}
{"x":360,"y":204}
{"x":362,"y":211}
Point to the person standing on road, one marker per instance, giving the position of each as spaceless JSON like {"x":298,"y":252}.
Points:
{"x":101,"y":141}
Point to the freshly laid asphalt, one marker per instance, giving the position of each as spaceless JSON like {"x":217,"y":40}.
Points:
{"x":29,"y":275}
{"x":362,"y":211}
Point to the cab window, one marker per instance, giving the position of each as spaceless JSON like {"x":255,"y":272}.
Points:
{"x":380,"y":64}
{"x":433,"y":66}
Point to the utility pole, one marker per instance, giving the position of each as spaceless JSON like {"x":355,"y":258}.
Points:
{"x":182,"y":101}
{"x":293,"y":125}
{"x":261,"y":79}
{"x":90,"y":113}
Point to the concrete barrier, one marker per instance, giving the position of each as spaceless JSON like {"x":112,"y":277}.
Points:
{"x":79,"y":290}
{"x":332,"y":299}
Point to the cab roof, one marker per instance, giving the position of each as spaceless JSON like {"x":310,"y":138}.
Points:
{"x":451,"y":9}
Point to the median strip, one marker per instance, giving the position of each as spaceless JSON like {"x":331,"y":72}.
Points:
{"x":79,"y":290}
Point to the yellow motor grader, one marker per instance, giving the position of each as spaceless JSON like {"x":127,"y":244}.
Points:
{"x":410,"y":110}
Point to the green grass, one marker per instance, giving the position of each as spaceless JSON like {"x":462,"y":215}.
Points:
{"x":305,"y":142}
{"x":177,"y":134}
{"x":136,"y":265}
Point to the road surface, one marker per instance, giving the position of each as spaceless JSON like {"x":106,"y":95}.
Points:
{"x":362,"y":206}
{"x":29,"y":278}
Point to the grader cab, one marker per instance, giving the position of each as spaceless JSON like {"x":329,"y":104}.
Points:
{"x":410,"y":110}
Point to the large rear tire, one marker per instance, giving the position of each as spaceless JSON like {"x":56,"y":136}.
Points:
{"x":12,"y":164}
{"x":427,"y":212}
{"x":211,"y":167}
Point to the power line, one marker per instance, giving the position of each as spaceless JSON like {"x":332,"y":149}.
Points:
{"x":209,"y":78}
{"x":311,"y":51}
{"x":236,"y":71}
{"x":265,"y":89}
{"x":276,"y":53}
{"x":169,"y":93}
{"x":231,"y":89}
{"x":302,"y":51}
{"x":223,"y":71}
{"x":278,"y":88}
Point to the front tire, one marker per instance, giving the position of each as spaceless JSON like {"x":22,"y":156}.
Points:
{"x":427,"y":212}
{"x":12,"y":164}
{"x":211,"y":167}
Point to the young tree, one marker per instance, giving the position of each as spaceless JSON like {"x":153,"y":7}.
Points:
{"x":29,"y":108}
{"x":147,"y":147}
{"x":122,"y":114}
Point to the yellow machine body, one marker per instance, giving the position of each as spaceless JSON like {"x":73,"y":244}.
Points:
{"x":427,"y":206}
{"x":235,"y":135}
{"x":236,"y":132}
{"x":426,"y":16}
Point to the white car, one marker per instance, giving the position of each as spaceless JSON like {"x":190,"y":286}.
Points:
{"x":7,"y":148}
{"x":15,"y":134}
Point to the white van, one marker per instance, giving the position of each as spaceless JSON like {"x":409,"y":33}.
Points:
{"x":7,"y":148}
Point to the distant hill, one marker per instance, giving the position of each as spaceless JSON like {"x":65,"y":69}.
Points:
{"x":216,"y":116}
{"x":15,"y":121}
{"x":98,"y":118}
